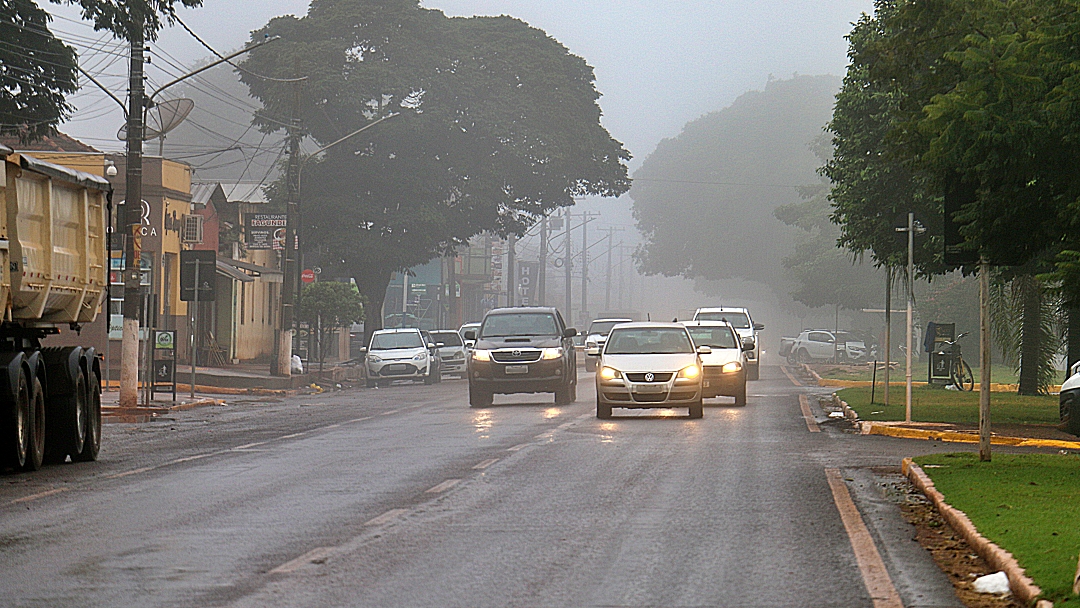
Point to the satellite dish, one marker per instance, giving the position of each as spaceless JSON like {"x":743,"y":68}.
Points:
{"x":165,"y":117}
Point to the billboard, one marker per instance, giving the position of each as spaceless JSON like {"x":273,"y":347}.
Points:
{"x":265,"y":230}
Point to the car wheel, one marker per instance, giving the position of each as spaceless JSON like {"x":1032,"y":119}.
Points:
{"x":697,"y":409}
{"x":603,"y":410}
{"x":740,"y":396}
{"x":372,"y":383}
{"x":92,"y":443}
{"x":35,"y":452}
{"x":803,"y":356}
{"x":479,"y":397}
{"x":430,"y":378}
{"x":752,"y":371}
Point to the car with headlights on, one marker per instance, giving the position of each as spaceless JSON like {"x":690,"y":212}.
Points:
{"x":522,"y":350}
{"x":649,"y":365}
{"x":597,"y":336}
{"x":451,"y":351}
{"x":400,"y":354}
{"x":723,"y":371}
{"x":744,"y":325}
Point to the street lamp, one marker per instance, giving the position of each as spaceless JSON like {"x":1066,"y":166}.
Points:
{"x":911,"y":229}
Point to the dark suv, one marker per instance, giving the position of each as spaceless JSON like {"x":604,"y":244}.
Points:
{"x":522,"y":350}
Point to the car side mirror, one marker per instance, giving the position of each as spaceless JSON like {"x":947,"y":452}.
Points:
{"x":593,"y":351}
{"x":748,"y":345}
{"x":569,"y":332}
{"x":759,"y":326}
{"x":431,"y":345}
{"x":704,"y":350}
{"x":470,"y":334}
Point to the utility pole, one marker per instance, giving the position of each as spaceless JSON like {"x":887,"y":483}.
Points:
{"x":607,"y":284}
{"x":129,"y":350}
{"x":888,"y":327}
{"x":541,"y":286}
{"x":912,"y":228}
{"x":984,"y":360}
{"x":283,"y":358}
{"x":622,"y":274}
{"x":567,"y":266}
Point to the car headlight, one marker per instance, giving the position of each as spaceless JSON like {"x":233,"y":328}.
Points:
{"x":551,"y":353}
{"x":374,"y":359}
{"x":420,"y":357}
{"x":690,"y":372}
{"x":731,"y":367}
{"x":610,"y":373}
{"x":481,"y":355}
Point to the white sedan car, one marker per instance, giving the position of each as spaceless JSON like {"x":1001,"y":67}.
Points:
{"x":648,"y":365}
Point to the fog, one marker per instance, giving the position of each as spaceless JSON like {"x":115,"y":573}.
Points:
{"x":659,"y":65}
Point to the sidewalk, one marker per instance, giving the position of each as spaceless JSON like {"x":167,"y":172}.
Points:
{"x":243,"y":379}
{"x":161,"y":404}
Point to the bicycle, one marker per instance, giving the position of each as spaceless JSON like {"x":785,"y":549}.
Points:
{"x":959,"y":371}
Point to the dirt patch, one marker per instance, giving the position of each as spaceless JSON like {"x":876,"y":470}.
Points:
{"x":951,"y":552}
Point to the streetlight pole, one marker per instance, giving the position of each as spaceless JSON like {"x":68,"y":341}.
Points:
{"x":911,"y":229}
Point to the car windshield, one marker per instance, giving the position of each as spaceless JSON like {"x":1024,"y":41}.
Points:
{"x":713,"y":337}
{"x":448,"y":338}
{"x":602,"y":327}
{"x":390,"y":341}
{"x":738,"y":320}
{"x":519,"y":324}
{"x":648,"y":341}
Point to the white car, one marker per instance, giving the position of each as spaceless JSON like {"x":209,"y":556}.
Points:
{"x":1070,"y":400}
{"x":649,"y":365}
{"x":597,"y":336}
{"x":451,"y":351}
{"x":744,"y":325}
{"x":400,"y":354}
{"x":826,"y":345}
{"x":723,"y":370}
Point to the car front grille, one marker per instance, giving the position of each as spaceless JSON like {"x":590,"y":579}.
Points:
{"x":398,"y":369}
{"x":516,"y":355}
{"x":657,"y":376}
{"x":649,"y":398}
{"x":712,"y":371}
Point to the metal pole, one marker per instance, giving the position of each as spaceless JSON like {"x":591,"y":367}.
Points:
{"x":607,"y":283}
{"x":541,"y":286}
{"x":984,"y":360}
{"x":511,"y":283}
{"x":910,"y":300}
{"x":567,"y":266}
{"x":195,"y":328}
{"x":129,"y":352}
{"x":283,"y":353}
{"x":888,"y":329}
{"x":584,"y":267}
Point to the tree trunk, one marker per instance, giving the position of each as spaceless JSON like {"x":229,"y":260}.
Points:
{"x":372,"y":286}
{"x":1073,"y":344}
{"x":1030,"y":334}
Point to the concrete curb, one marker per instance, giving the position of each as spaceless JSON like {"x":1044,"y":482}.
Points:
{"x":115,"y":410}
{"x":1023,"y":588}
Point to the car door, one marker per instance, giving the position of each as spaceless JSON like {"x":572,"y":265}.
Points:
{"x":820,"y":345}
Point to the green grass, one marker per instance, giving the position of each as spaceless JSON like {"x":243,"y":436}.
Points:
{"x":939,"y":405}
{"x":1002,"y":374}
{"x":1029,"y":504}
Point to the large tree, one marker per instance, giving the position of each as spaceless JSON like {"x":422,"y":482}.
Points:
{"x":499,"y":124}
{"x":704,"y":200}
{"x":120,"y":17}
{"x":37,"y":71}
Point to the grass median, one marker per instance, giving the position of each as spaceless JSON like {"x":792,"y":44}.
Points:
{"x":958,"y":407}
{"x":1001,"y":373}
{"x":1025,"y":503}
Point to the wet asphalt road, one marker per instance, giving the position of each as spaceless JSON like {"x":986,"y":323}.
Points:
{"x":407,"y":497}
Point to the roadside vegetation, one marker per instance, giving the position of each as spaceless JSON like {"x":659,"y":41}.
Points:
{"x":938,"y":405}
{"x":1001,"y":374}
{"x":1026,"y":503}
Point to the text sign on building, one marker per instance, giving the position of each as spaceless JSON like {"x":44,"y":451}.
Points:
{"x":526,"y":280}
{"x":206,"y":264}
{"x":265,"y":230}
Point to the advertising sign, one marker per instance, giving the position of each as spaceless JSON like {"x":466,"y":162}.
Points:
{"x":265,"y":230}
{"x":527,"y":273}
{"x":206,"y":262}
{"x":163,"y":362}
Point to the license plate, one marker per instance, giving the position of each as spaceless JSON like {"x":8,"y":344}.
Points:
{"x":705,"y":384}
{"x":651,"y":389}
{"x":517,"y":369}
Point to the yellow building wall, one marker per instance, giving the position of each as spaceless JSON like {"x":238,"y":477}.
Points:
{"x":255,"y":316}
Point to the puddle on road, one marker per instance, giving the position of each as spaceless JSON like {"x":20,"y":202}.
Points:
{"x":482,"y":422}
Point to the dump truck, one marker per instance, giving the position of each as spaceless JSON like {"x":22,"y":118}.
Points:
{"x":53,"y":257}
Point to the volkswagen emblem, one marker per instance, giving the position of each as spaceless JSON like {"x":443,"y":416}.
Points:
{"x":649,"y":377}
{"x":517,"y":353}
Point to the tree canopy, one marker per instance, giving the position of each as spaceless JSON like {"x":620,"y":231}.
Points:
{"x":704,"y":200}
{"x":499,"y":124}
{"x":119,"y":16}
{"x":37,"y":71}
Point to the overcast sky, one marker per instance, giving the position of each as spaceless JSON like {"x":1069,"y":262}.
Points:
{"x":658,"y":63}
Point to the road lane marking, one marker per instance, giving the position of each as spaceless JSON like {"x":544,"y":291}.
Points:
{"x":875,"y":575}
{"x":790,"y":377}
{"x":38,"y":495}
{"x":190,"y":458}
{"x":444,"y":486}
{"x":131,"y":472}
{"x":520,"y":446}
{"x":249,"y":445}
{"x":388,"y":413}
{"x":332,"y":426}
{"x":485,"y":464}
{"x":293,"y":435}
{"x":358,"y":419}
{"x":386,"y":518}
{"x":315,"y":556}
{"x":811,"y":424}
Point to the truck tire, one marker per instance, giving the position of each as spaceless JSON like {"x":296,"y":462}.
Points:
{"x":35,"y":447}
{"x":92,"y":441}
{"x":17,"y":428}
{"x":66,"y":404}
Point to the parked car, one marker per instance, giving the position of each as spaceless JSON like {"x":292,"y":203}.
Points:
{"x":1070,"y":401}
{"x":649,"y":365}
{"x":451,"y":351}
{"x":522,"y":350}
{"x":724,"y":369}
{"x":400,"y":354}
{"x":826,"y":345}
{"x":744,"y":325}
{"x":786,"y":343}
{"x":597,"y":336}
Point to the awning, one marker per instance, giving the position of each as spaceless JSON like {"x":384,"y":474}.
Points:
{"x":248,"y":269}
{"x":234,"y":274}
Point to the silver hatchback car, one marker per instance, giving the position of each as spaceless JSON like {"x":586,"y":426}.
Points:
{"x":399,"y":354}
